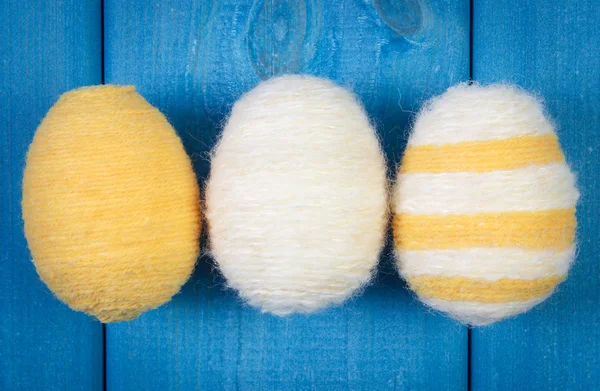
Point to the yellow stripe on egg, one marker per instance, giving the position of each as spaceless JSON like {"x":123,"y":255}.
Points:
{"x":504,"y":290}
{"x":483,"y":156}
{"x":533,"y":230}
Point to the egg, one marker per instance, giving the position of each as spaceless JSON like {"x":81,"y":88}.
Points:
{"x":484,"y":204}
{"x":110,"y":203}
{"x":296,"y":201}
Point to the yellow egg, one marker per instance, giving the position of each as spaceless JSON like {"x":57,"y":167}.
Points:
{"x":110,"y":204}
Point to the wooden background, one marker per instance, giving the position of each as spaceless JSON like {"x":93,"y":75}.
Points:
{"x":193,"y":59}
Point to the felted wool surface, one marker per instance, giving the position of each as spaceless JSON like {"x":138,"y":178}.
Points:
{"x":110,"y":204}
{"x":484,"y":204}
{"x":297,"y":196}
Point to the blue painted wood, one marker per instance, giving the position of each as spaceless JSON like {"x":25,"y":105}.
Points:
{"x":193,"y":59}
{"x":47,"y":47}
{"x":552,"y":49}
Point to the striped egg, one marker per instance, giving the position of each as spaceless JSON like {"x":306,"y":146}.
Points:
{"x":484,"y":205}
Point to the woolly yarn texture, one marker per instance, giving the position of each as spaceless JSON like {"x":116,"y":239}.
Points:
{"x":484,"y":205}
{"x":296,"y":201}
{"x":110,"y":204}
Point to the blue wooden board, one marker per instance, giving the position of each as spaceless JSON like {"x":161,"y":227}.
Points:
{"x":552,"y":48}
{"x":192,"y":60}
{"x":46,"y":48}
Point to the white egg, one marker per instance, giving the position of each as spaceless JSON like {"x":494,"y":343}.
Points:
{"x":297,"y":196}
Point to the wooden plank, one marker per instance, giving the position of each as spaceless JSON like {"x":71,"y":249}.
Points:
{"x":47,"y":48}
{"x":192,"y":60}
{"x":551,"y":49}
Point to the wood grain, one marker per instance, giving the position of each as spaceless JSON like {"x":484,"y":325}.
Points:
{"x":551,"y":49}
{"x":193,"y":59}
{"x":46,"y":48}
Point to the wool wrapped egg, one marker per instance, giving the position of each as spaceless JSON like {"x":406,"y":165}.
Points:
{"x":484,"y":205}
{"x":110,"y":204}
{"x":296,"y":201}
